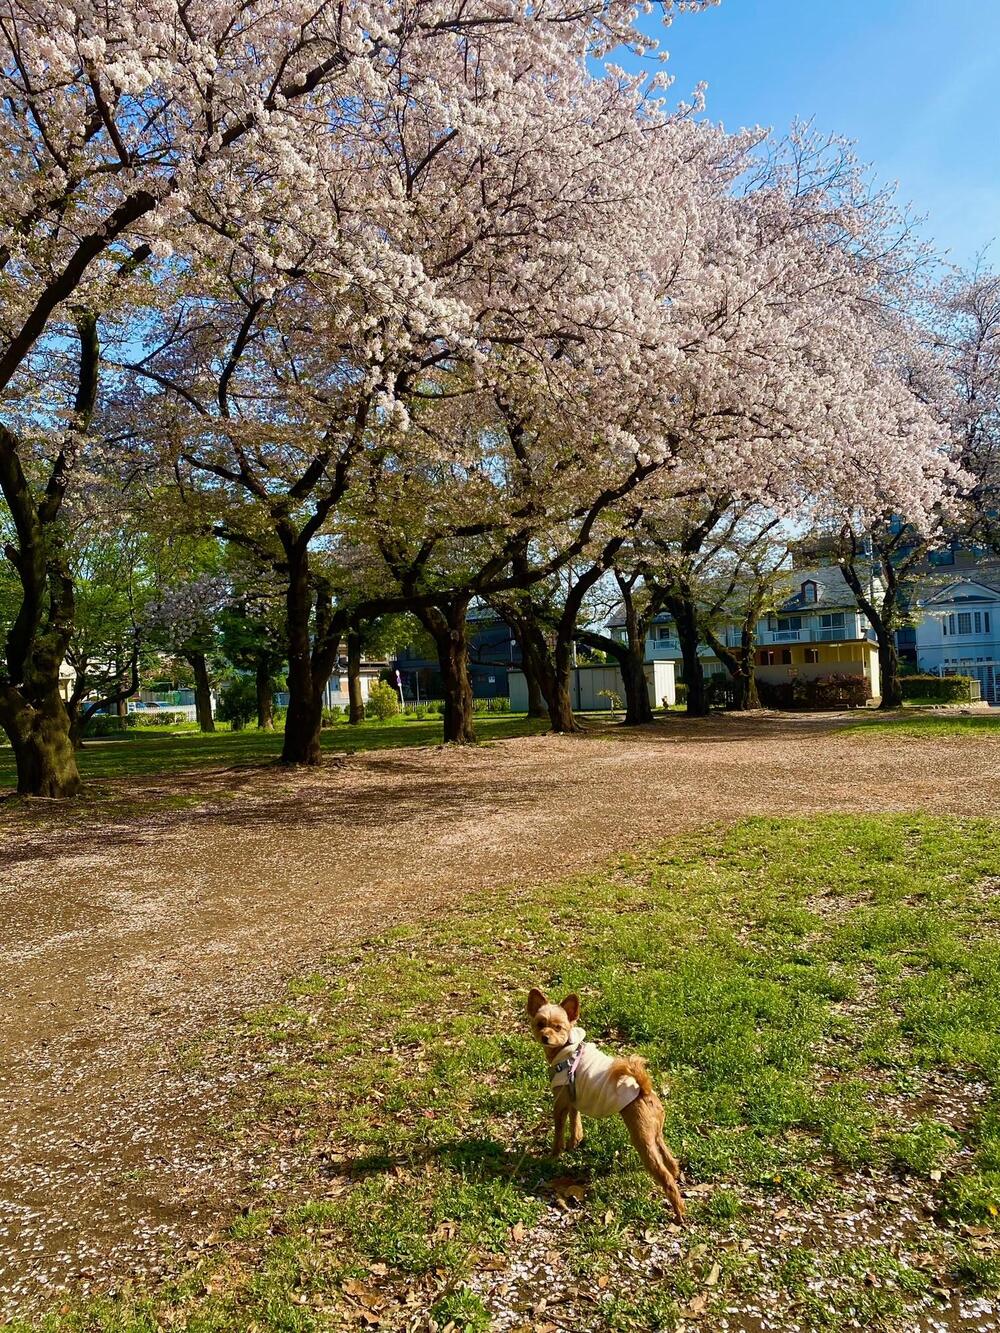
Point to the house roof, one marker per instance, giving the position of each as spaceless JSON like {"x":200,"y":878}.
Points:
{"x":832,"y":589}
{"x":988,"y":590}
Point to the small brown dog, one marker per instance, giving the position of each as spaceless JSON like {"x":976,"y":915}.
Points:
{"x":587,"y":1082}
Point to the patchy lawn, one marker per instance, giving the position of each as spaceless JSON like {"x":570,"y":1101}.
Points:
{"x":147,"y":751}
{"x":926,"y":725}
{"x":820,"y":1000}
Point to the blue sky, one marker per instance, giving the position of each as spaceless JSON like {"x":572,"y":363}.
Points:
{"x":916,"y":83}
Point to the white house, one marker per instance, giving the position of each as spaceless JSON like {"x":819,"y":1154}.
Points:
{"x":958,"y":631}
{"x":817,"y":630}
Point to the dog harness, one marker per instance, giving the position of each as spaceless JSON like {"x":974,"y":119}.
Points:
{"x":586,"y":1072}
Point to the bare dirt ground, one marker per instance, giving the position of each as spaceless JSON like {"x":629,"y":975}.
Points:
{"x":125,"y":938}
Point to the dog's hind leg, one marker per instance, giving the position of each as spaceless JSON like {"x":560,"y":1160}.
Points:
{"x":644,"y":1130}
{"x":670,"y":1161}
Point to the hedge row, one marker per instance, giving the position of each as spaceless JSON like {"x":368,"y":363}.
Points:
{"x":938,"y":689}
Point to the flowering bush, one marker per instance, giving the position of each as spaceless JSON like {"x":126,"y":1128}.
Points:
{"x":383,"y":701}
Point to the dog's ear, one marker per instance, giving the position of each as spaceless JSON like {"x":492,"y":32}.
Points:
{"x":571,"y":1005}
{"x":535,"y":1000}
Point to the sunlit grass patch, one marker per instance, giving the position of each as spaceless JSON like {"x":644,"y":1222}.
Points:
{"x":928,"y":725}
{"x":819,"y":1002}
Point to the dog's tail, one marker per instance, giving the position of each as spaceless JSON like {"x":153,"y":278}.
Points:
{"x":632,"y":1066}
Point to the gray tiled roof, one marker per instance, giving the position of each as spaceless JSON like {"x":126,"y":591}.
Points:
{"x":832,"y":589}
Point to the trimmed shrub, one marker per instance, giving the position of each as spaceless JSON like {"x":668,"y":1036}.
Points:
{"x":719,"y":690}
{"x":682,"y":692}
{"x":238,"y":706}
{"x":158,"y":717}
{"x":501,"y":704}
{"x":938,"y":689}
{"x":103,"y":724}
{"x":835,"y":691}
{"x":383,"y":701}
{"x":331,"y":716}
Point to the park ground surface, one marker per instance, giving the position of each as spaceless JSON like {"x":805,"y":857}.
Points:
{"x":296,"y":998}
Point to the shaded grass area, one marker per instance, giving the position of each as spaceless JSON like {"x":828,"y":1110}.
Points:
{"x":148,"y":751}
{"x":819,"y":999}
{"x":924,"y":725}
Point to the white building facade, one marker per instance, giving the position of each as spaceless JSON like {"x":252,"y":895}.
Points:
{"x":958,"y":633}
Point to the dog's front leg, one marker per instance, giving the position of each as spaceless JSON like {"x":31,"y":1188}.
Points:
{"x":560,"y":1111}
{"x":575,"y":1128}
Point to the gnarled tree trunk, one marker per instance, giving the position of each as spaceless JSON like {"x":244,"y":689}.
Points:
{"x":446,"y":625}
{"x":32,"y":710}
{"x":43,"y":750}
{"x":740,"y":667}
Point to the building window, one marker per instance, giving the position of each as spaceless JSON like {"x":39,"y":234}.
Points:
{"x":832,"y":620}
{"x":812,"y":655}
{"x":986,"y":621}
{"x":789,"y":623}
{"x":951,"y":624}
{"x":809,"y":591}
{"x":965,"y":622}
{"x":662,"y":633}
{"x":978,"y":616}
{"x":786,"y":657}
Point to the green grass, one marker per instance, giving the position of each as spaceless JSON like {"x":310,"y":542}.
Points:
{"x":930,"y":725}
{"x":820,"y":1000}
{"x":148,"y":751}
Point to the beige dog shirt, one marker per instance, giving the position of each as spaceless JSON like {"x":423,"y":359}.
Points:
{"x":587,"y":1072}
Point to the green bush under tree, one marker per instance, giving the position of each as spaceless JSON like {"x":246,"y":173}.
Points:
{"x":937,"y":689}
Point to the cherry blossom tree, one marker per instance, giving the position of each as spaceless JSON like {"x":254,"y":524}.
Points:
{"x":964,"y":336}
{"x":124,"y":127}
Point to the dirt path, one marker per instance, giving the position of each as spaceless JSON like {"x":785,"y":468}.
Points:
{"x":124,"y":939}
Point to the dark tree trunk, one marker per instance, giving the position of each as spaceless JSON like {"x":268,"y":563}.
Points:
{"x":559,"y":693}
{"x":686,"y":623}
{"x":202,"y":691}
{"x":534,"y":657}
{"x":446,"y":625}
{"x":638,"y":709}
{"x":537,"y":706}
{"x":356,"y":704}
{"x":888,"y":668}
{"x":631,"y":664}
{"x":883,"y":621}
{"x":43,"y":751}
{"x":740,"y":667}
{"x":265,"y":694}
{"x":76,"y":726}
{"x":304,"y":720}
